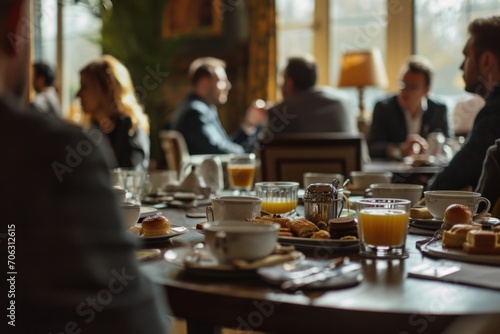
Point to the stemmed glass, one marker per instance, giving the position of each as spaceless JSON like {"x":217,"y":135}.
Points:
{"x":241,"y":172}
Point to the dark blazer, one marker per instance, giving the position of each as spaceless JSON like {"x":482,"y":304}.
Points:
{"x":465,"y":168}
{"x":71,"y":247}
{"x":389,"y":124}
{"x":200,"y":125}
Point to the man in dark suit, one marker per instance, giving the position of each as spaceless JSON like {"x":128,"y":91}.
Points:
{"x":71,"y":262}
{"x":403,"y":121}
{"x":197,"y":117}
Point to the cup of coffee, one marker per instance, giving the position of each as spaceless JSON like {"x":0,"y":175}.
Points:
{"x":130,"y":213}
{"x":237,"y":240}
{"x":233,"y":208}
{"x":438,"y":200}
{"x":411,"y":192}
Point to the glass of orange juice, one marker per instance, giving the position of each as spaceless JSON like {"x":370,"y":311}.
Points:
{"x":241,"y":172}
{"x":383,"y":225}
{"x":278,"y":197}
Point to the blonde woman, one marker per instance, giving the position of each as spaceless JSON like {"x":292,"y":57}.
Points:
{"x":107,"y":97}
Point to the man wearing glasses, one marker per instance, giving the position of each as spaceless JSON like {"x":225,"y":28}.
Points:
{"x":401,"y":122}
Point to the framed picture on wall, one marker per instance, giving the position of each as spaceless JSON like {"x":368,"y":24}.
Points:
{"x":185,"y":17}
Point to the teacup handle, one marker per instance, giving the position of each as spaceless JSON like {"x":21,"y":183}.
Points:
{"x":210,"y":213}
{"x":368,"y":192}
{"x":488,"y":205}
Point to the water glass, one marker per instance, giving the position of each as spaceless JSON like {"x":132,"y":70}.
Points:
{"x":383,"y":225}
{"x":132,"y":181}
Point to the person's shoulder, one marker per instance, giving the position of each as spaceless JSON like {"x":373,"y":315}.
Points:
{"x":436,"y":102}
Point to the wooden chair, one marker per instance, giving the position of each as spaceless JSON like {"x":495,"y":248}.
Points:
{"x":175,"y":150}
{"x":287,"y":157}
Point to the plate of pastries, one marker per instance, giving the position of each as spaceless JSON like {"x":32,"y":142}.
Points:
{"x":156,"y":228}
{"x":466,"y":240}
{"x":337,"y":233}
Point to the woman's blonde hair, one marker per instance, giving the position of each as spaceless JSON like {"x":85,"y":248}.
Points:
{"x":116,"y":85}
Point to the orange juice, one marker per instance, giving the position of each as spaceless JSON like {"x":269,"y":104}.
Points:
{"x":278,"y":206}
{"x":383,"y":227}
{"x":241,"y":176}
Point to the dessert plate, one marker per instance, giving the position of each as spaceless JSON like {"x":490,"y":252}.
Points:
{"x":207,"y":265}
{"x":175,"y":230}
{"x":435,"y":249}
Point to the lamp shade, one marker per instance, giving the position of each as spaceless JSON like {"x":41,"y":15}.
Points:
{"x":363,"y":68}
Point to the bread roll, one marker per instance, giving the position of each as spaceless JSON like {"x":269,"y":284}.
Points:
{"x":155,"y":225}
{"x":456,"y":214}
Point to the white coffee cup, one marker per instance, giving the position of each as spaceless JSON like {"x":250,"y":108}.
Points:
{"x":229,"y":241}
{"x":363,"y":180}
{"x":438,"y":200}
{"x":233,"y":208}
{"x":130,"y":213}
{"x":411,"y":192}
{"x":310,"y":178}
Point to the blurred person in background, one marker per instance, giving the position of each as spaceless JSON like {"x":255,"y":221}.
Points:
{"x":108,"y":99}
{"x":75,"y":263}
{"x":307,"y":108}
{"x":481,"y":73}
{"x":197,"y":118}
{"x":401,"y":122}
{"x":46,"y":98}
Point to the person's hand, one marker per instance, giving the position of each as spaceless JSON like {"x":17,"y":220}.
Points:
{"x":255,"y":115}
{"x":414,"y":144}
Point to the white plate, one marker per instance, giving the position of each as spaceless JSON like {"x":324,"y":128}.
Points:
{"x":208,"y":265}
{"x":175,"y":230}
{"x":436,"y":249}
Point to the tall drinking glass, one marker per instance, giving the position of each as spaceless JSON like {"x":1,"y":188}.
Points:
{"x":241,"y":172}
{"x":383,"y":225}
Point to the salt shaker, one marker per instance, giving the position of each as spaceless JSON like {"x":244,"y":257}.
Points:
{"x":322,"y":202}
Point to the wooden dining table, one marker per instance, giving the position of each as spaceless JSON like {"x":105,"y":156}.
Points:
{"x":385,"y":301}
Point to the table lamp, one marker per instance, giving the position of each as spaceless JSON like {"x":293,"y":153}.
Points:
{"x":362,"y":69}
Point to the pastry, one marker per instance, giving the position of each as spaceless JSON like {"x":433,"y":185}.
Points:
{"x":456,"y":214}
{"x":321,"y":234}
{"x":155,"y":225}
{"x":341,"y":227}
{"x":482,"y":242}
{"x":302,"y":228}
{"x":457,"y":235}
{"x":420,"y":213}
{"x":271,"y":219}
{"x":136,"y":230}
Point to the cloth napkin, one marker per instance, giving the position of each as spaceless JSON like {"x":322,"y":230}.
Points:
{"x":270,"y":260}
{"x":462,"y":273}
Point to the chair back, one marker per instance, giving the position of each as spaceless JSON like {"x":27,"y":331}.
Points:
{"x":175,"y":150}
{"x":287,"y":157}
